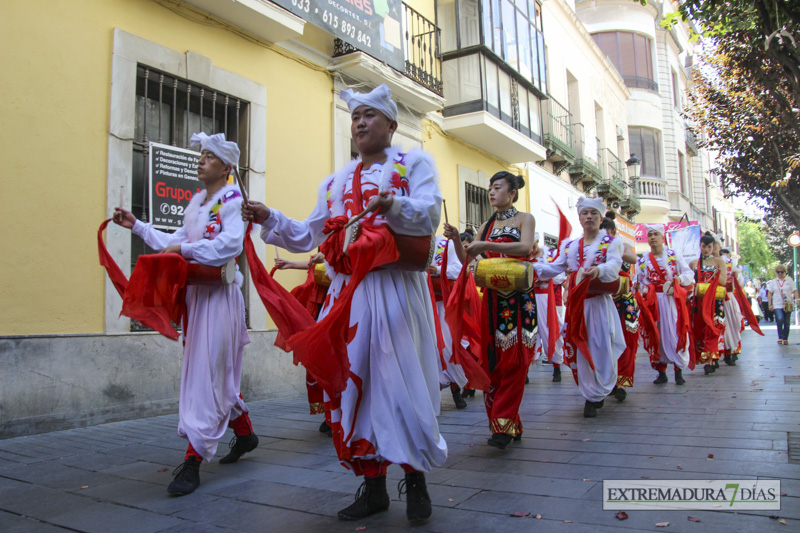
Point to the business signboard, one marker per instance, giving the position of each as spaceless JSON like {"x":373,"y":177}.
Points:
{"x":372,"y":26}
{"x":173,"y":181}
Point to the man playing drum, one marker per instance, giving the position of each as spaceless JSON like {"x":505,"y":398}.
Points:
{"x":387,"y":413}
{"x":215,"y":333}
{"x":598,"y":256}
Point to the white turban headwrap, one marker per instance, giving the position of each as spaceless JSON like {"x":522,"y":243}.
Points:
{"x":655,"y":227}
{"x":380,"y":98}
{"x":227,"y":151}
{"x":718,"y":238}
{"x":591,"y":203}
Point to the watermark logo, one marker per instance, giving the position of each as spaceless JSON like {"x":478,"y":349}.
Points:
{"x":725,"y":494}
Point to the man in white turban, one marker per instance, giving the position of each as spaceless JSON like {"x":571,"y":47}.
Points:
{"x":387,"y":413}
{"x":215,"y":335}
{"x":596,"y":255}
{"x":657,"y":273}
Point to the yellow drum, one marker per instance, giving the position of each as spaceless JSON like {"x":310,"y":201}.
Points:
{"x":701,"y":289}
{"x":504,"y":274}
{"x":320,"y":276}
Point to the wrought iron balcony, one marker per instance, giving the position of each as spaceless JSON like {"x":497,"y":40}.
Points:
{"x":559,"y":138}
{"x":691,"y":141}
{"x":587,"y":167}
{"x":420,"y":47}
{"x":612,"y":184}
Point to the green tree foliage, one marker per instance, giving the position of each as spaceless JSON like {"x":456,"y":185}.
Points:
{"x":747,"y":96}
{"x":754,"y":248}
{"x":776,"y":231}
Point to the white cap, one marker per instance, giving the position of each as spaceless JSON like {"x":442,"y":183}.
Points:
{"x":380,"y":98}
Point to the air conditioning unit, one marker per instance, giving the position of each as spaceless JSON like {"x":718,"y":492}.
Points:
{"x":620,"y":134}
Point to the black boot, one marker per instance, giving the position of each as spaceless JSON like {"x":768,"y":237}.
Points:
{"x":371,"y":498}
{"x":716,"y":364}
{"x":589,"y":410}
{"x":729,"y":360}
{"x":556,"y":374}
{"x":499,"y":440}
{"x":468,"y":393}
{"x":240,"y":445}
{"x":325,"y":428}
{"x":679,"y":377}
{"x":599,"y":404}
{"x":460,"y":403}
{"x":707,"y":369}
{"x":187,"y":477}
{"x":662,"y":378}
{"x":418,"y":503}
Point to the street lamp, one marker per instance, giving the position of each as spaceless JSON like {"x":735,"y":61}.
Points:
{"x":634,"y":165}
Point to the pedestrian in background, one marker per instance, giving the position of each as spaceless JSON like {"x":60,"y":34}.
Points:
{"x":763,"y":301}
{"x":782,"y":293}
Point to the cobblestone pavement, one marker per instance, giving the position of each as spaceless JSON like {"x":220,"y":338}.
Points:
{"x":113,"y":477}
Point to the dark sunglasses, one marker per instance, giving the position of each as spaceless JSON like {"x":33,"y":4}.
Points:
{"x":780,"y":272}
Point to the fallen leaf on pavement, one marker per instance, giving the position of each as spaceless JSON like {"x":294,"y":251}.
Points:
{"x":782,"y":521}
{"x":679,"y":467}
{"x":361,"y":528}
{"x":711,"y":456}
{"x":774,"y":517}
{"x":693,"y":519}
{"x":585,"y":440}
{"x":450,"y":499}
{"x":568,"y":522}
{"x":85,"y":487}
{"x":162,"y":469}
{"x":521,"y":513}
{"x":662,"y":524}
{"x":538,"y":517}
{"x":621,"y":515}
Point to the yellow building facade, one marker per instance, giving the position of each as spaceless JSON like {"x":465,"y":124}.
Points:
{"x":90,"y":83}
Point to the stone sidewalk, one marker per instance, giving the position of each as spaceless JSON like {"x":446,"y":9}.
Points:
{"x":113,"y":477}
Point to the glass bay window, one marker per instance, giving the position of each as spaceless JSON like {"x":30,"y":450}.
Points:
{"x":493,"y":59}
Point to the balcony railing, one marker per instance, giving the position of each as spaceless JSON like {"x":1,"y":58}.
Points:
{"x":612,"y":184}
{"x":420,"y":48}
{"x":653,"y":189}
{"x":587,"y":167}
{"x":640,"y":83}
{"x":691,"y":141}
{"x":558,"y":135}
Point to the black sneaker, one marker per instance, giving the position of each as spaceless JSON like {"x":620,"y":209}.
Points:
{"x":460,"y":403}
{"x":499,"y":440}
{"x":325,"y":428}
{"x":187,"y":477}
{"x":239,"y":446}
{"x":679,"y":377}
{"x":589,"y":410}
{"x":418,"y":502}
{"x":662,"y":378}
{"x":371,"y":498}
{"x":556,"y":374}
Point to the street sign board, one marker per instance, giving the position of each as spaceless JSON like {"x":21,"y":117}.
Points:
{"x":794,"y":239}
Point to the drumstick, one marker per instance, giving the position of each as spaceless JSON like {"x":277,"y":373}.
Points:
{"x":121,"y":194}
{"x":444,"y":205}
{"x":356,"y":218}
{"x":276,"y":253}
{"x":241,"y":185}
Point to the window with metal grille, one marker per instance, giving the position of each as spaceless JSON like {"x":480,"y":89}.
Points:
{"x":168,"y":111}
{"x":478,"y":207}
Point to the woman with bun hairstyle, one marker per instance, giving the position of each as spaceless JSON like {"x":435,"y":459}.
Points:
{"x":628,"y":311}
{"x":509,"y":322}
{"x":708,"y":319}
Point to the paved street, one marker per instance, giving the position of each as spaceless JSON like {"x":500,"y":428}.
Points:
{"x":113,"y":477}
